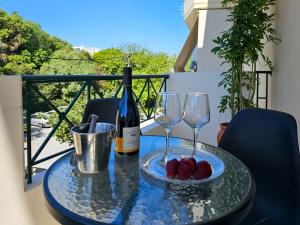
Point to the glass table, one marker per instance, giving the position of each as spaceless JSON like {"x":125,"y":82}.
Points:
{"x":124,"y":194}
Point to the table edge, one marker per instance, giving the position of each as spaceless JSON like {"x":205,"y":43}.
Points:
{"x":68,"y":217}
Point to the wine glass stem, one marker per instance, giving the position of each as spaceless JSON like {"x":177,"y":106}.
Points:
{"x":195,"y":133}
{"x":167,"y":146}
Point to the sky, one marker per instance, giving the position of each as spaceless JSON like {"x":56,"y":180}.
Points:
{"x":154,"y":24}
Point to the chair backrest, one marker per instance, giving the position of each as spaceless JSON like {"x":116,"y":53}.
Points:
{"x":105,"y":108}
{"x":267,"y":142}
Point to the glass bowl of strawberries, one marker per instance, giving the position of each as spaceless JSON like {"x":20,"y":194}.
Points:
{"x":183,"y":169}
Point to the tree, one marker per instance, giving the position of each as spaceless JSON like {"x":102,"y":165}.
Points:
{"x":19,"y":64}
{"x":24,"y":46}
{"x":109,"y":61}
{"x":26,"y":49}
{"x":65,"y":61}
{"x":144,"y":61}
{"x":75,"y":115}
{"x":68,"y":61}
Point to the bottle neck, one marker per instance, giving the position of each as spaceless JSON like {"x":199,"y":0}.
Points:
{"x":127,"y":88}
{"x":127,"y":77}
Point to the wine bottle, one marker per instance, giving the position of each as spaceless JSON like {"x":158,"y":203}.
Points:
{"x":127,"y":141}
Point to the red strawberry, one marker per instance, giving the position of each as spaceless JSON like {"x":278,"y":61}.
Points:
{"x":172,"y":168}
{"x":192,"y":163}
{"x":203,"y":170}
{"x":193,"y":160}
{"x":185,"y":169}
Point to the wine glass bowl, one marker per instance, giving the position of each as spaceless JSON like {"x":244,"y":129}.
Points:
{"x":167,"y":114}
{"x":165,"y":121}
{"x":196,"y":113}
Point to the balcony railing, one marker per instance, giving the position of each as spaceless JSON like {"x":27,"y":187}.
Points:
{"x":88,"y":86}
{"x":260,"y":76}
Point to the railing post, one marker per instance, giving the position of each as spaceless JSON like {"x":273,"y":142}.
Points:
{"x":257,"y":89}
{"x":267,"y":89}
{"x":28,"y":127}
{"x":148,"y":98}
{"x":165,"y":86}
{"x":88,"y":90}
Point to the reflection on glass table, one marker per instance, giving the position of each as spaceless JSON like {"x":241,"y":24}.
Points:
{"x":124,"y":194}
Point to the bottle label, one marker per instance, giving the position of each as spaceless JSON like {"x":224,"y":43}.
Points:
{"x":130,"y":141}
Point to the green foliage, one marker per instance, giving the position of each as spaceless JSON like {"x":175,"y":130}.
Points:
{"x":60,"y":94}
{"x":65,"y":62}
{"x":242,"y":45}
{"x":24,"y":46}
{"x":144,"y":61}
{"x":17,"y":64}
{"x":26,"y":49}
{"x":109,"y":61}
{"x":75,"y":115}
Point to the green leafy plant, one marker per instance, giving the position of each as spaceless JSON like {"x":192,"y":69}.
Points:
{"x":241,"y":46}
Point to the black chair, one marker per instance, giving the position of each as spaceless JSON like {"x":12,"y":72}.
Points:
{"x":105,"y":108}
{"x":267,"y":142}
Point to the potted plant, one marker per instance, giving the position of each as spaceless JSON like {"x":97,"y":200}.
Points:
{"x":241,"y":47}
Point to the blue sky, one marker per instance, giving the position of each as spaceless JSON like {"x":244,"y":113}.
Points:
{"x":155,"y":24}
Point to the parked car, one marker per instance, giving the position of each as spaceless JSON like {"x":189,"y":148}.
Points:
{"x":40,"y":119}
{"x":49,"y":113}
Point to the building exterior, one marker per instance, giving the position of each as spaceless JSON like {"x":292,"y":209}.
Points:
{"x":206,"y":18}
{"x":90,"y":50}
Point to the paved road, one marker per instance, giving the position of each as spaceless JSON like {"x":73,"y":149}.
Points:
{"x":53,"y":146}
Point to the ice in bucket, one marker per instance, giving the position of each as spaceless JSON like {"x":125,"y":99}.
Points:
{"x":93,"y":149}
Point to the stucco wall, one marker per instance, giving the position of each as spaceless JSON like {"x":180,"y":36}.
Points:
{"x":211,"y":24}
{"x":286,"y":86}
{"x":198,"y":82}
{"x":17,"y":206}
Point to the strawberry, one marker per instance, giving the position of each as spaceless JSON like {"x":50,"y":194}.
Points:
{"x":191,"y":161}
{"x":203,"y":170}
{"x":185,"y":169}
{"x":172,"y":168}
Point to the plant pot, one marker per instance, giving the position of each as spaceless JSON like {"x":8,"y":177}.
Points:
{"x":223,"y":127}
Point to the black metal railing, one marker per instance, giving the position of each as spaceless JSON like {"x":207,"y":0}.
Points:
{"x":31,"y":89}
{"x":87,"y":85}
{"x":262,"y":76}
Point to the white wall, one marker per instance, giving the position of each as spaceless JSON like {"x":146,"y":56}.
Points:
{"x":211,"y":24}
{"x":286,"y":88}
{"x":17,"y":207}
{"x":198,"y":82}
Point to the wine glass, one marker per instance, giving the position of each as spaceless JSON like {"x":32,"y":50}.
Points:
{"x":167,"y":114}
{"x":196,"y":113}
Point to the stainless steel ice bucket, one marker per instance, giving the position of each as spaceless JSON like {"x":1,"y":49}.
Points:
{"x":93,"y":149}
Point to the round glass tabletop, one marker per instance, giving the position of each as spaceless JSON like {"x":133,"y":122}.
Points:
{"x":125,"y":194}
